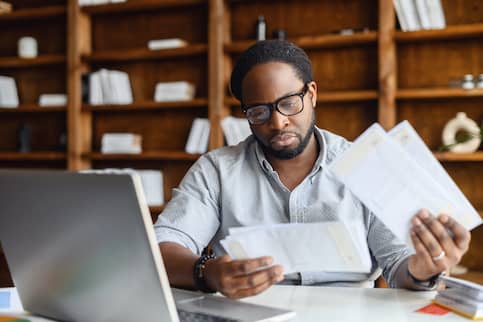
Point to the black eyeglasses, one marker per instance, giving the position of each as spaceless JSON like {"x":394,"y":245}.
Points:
{"x":289,"y":105}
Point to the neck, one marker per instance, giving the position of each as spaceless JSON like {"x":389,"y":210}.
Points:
{"x":293,"y":171}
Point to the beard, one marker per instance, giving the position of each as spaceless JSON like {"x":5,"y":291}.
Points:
{"x":288,"y":153}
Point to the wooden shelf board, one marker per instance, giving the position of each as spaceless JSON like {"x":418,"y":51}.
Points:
{"x":13,"y":62}
{"x":143,"y":5}
{"x":451,"y":32}
{"x":314,"y":42}
{"x":156,"y":209}
{"x":32,"y":156}
{"x":33,"y":108}
{"x":145,"y":54}
{"x":145,"y":156}
{"x":459,"y":157}
{"x":347,"y":96}
{"x":428,"y":93}
{"x":330,"y":96}
{"x":34,"y":13}
{"x":148,"y":105}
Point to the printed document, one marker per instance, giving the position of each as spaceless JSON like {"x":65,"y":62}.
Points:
{"x":391,"y":183}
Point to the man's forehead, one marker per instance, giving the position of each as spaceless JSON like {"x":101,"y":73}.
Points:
{"x":269,"y":81}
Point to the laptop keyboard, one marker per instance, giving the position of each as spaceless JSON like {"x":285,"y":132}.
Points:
{"x":185,"y":316}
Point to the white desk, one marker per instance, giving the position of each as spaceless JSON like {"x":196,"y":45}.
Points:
{"x":335,"y":304}
{"x":319,"y":304}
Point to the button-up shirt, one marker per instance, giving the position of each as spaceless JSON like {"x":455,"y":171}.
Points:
{"x":236,"y":186}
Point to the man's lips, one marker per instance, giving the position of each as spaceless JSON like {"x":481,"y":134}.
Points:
{"x":283,"y":139}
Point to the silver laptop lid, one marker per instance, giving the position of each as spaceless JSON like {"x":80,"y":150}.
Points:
{"x":81,"y":247}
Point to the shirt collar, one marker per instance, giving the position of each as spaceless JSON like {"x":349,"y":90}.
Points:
{"x":262,"y":160}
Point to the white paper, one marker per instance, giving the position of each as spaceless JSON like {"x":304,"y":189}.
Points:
{"x":409,"y":139}
{"x":391,"y":184}
{"x":325,"y":246}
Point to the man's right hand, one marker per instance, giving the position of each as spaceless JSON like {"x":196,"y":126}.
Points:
{"x":241,"y":278}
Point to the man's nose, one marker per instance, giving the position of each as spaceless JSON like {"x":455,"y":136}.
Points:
{"x":278,"y":120}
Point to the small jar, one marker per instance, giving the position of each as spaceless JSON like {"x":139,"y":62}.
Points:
{"x":479,"y":84}
{"x":27,"y":47}
{"x":261,"y":28}
{"x":468,"y":82}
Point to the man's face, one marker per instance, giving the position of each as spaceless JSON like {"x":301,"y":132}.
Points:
{"x":283,"y":137}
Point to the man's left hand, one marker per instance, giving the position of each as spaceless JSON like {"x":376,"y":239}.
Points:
{"x":440,"y":242}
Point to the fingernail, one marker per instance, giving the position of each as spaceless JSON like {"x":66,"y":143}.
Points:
{"x":424,"y":214}
{"x":443,"y":218}
{"x":417,"y":222}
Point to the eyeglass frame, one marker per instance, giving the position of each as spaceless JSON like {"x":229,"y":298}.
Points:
{"x":274,"y":105}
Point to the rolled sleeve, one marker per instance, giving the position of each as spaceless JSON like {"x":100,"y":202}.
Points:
{"x":191,"y":218}
{"x":388,"y":250}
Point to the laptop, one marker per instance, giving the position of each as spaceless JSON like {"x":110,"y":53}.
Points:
{"x":81,"y":247}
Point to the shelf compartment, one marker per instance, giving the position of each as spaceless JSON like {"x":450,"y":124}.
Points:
{"x":34,"y":13}
{"x":45,"y":60}
{"x":148,"y":106}
{"x":33,"y":108}
{"x":145,"y":156}
{"x":330,"y":97}
{"x":32,"y":156}
{"x":314,"y":42}
{"x":145,"y":54}
{"x":428,"y":93}
{"x":144,"y":5}
{"x":459,"y":157}
{"x":451,"y":32}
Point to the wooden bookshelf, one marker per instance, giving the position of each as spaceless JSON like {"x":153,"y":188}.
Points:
{"x":314,"y":42}
{"x":33,"y":108}
{"x":141,"y":5}
{"x":32,"y":156}
{"x":145,"y":156}
{"x":459,"y":157}
{"x":430,"y":93}
{"x":146,"y":54}
{"x":148,"y":106}
{"x":45,"y":60}
{"x":34,"y":13}
{"x":451,"y":32}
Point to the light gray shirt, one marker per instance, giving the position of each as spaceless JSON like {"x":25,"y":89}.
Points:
{"x":236,"y":186}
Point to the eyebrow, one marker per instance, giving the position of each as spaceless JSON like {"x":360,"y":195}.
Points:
{"x":265,"y":103}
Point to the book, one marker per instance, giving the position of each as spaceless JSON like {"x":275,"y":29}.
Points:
{"x":400,"y":15}
{"x":235,"y":129}
{"x":436,"y":14}
{"x":53,"y":100}
{"x":8,"y":92}
{"x":109,"y":87}
{"x":460,"y":305}
{"x":121,"y":143}
{"x":198,"y":137}
{"x":411,"y":14}
{"x":174,"y":91}
{"x":168,"y":43}
{"x":423,"y":14}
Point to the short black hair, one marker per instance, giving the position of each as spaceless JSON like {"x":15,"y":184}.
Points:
{"x":270,"y":51}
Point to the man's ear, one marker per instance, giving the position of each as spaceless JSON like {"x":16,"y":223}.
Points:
{"x":313,"y":92}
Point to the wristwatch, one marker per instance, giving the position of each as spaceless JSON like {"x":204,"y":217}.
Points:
{"x":199,"y":273}
{"x":428,"y":284}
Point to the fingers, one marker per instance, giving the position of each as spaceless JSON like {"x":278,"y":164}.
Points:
{"x":244,"y":267}
{"x":461,"y":235}
{"x":432,"y":234}
{"x":255,"y":283}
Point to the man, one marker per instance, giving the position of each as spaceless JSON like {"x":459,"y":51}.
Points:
{"x":278,"y":175}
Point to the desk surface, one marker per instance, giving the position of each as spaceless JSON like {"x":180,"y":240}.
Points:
{"x":317,"y":304}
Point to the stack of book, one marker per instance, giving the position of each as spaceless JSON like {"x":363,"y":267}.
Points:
{"x":420,"y":14}
{"x":109,"y":87}
{"x":121,"y":143}
{"x":97,"y":2}
{"x":53,"y":100}
{"x":235,"y":129}
{"x":463,"y":297}
{"x":174,"y":91}
{"x":151,"y":180}
{"x":199,"y":136}
{"x":8,"y":92}
{"x":159,"y":44}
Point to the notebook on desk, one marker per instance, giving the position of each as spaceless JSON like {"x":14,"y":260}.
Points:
{"x":81,"y":247}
